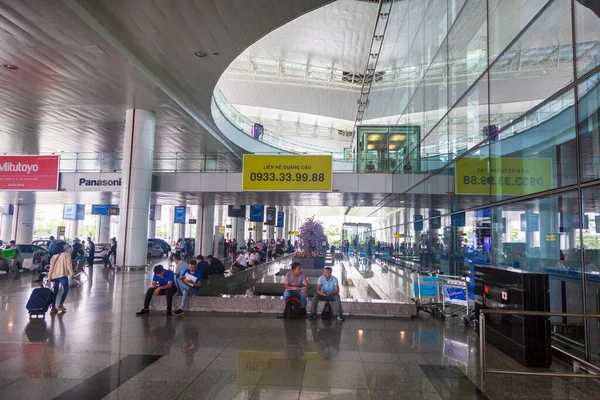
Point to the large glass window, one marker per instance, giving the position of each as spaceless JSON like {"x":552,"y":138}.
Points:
{"x":587,"y":35}
{"x":591,"y":245}
{"x":589,"y":127}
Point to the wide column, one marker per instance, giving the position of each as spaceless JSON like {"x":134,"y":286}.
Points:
{"x":205,"y":230}
{"x":23,"y":223}
{"x":103,"y":229}
{"x":6,"y":226}
{"x":136,"y":184}
{"x":258,"y":233}
{"x":72,"y":229}
{"x":151,"y":228}
{"x":271,"y":232}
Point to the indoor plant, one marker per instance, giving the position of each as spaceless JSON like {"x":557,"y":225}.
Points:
{"x":312,"y":243}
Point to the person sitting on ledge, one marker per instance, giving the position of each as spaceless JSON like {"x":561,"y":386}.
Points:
{"x":240,"y":262}
{"x":296,"y":285}
{"x":328,"y":289}
{"x":162,"y":285}
{"x":189,"y":283}
{"x":215,"y":264}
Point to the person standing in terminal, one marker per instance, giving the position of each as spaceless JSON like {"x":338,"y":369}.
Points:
{"x":61,"y":270}
{"x":76,"y":247}
{"x":112,"y":254}
{"x":91,"y":249}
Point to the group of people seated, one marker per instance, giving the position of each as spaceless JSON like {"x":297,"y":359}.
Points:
{"x":186,"y":279}
{"x":328,"y":289}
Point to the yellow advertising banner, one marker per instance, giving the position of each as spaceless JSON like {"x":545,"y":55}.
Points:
{"x":306,"y":173}
{"x":503,"y":176}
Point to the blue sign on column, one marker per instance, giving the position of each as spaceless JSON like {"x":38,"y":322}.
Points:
{"x":280,"y":219}
{"x":179,"y":215}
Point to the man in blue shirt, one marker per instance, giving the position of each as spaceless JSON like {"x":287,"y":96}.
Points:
{"x":162,"y":285}
{"x":328,"y":289}
{"x":188,"y":285}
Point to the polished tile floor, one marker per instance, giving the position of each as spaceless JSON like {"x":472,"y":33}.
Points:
{"x":99,"y":349}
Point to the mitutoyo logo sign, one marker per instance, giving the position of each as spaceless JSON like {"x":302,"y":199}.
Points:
{"x":19,"y":167}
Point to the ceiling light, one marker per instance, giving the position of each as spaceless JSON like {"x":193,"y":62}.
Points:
{"x":371,"y":147}
{"x":393,"y":147}
{"x":397,"y":138}
{"x":12,"y":67}
{"x":374,"y":137}
{"x":215,"y":53}
{"x":200,"y":54}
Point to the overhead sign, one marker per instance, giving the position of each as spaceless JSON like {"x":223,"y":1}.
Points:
{"x":280,"y":219}
{"x":179,"y":215}
{"x":257,"y":213}
{"x":192,"y":221}
{"x":29,"y":173}
{"x":74,"y":211}
{"x":236,"y":211}
{"x":113,"y":209}
{"x":8,"y":209}
{"x":418,"y":222}
{"x":155,"y":212}
{"x":306,"y":173}
{"x":99,"y":209}
{"x":270,"y":216}
{"x":503,"y":176}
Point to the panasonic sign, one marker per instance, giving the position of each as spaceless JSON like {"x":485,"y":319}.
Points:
{"x":19,"y":167}
{"x":99,"y":182}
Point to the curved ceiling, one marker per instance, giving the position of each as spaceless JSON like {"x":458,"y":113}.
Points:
{"x":83,"y":63}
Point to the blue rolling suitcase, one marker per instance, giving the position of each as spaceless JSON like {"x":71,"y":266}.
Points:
{"x":39,"y":301}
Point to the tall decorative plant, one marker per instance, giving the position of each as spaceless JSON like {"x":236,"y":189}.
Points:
{"x":311,"y":239}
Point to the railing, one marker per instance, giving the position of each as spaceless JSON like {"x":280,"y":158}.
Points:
{"x":245,"y":125}
{"x":482,"y":344}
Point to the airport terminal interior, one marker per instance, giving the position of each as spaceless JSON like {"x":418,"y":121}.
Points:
{"x":299,"y":199}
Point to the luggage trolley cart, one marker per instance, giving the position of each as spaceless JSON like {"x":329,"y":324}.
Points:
{"x":427,"y":294}
{"x":456,"y":298}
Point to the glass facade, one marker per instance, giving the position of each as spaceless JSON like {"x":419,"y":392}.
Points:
{"x":506,"y":95}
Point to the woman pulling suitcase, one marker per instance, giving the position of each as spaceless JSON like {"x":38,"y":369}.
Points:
{"x":61,"y":270}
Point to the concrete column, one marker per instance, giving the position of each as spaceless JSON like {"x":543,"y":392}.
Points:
{"x":72,"y":229}
{"x":205,"y":229}
{"x":286,"y":223}
{"x":103,"y":229}
{"x":24,"y":219}
{"x":179,"y":232}
{"x":239,"y":230}
{"x":271,"y":232}
{"x":138,"y":152}
{"x":6,"y":227}
{"x":151,"y":229}
{"x":258,"y":233}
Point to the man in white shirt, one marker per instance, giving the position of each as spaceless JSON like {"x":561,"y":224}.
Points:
{"x":240,"y":262}
{"x":256,"y":257}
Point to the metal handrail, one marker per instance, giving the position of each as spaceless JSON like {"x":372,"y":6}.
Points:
{"x":482,"y":342}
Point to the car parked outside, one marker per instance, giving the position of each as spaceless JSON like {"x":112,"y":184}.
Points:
{"x":166,"y":247}
{"x":155,"y":251}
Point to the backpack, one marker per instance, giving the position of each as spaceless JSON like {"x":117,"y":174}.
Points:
{"x":326,"y":314}
{"x":293,"y":309}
